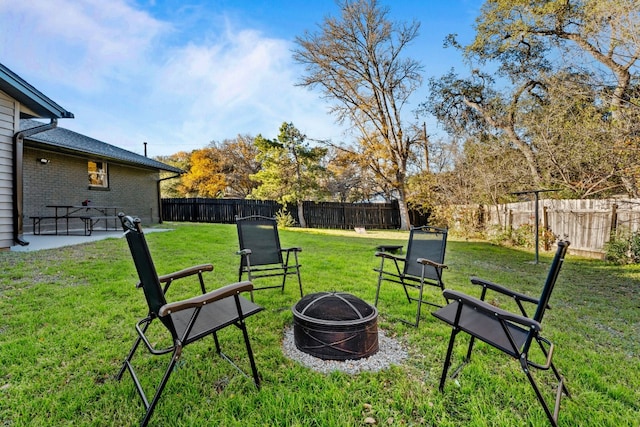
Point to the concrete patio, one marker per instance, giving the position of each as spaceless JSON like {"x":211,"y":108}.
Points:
{"x":51,"y":241}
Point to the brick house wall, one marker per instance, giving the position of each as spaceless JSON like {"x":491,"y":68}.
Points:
{"x":64,"y":181}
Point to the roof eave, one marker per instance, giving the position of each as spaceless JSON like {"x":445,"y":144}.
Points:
{"x":16,"y":87}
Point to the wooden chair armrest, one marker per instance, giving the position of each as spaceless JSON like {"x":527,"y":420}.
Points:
{"x":491,"y":310}
{"x":501,"y":289}
{"x":244,"y":252}
{"x":209,"y":297}
{"x":388,"y":255}
{"x":426,"y":261}
{"x":190,"y":271}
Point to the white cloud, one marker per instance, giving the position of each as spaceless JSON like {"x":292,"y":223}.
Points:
{"x":236,"y":82}
{"x":129,"y":77}
{"x":84,"y":44}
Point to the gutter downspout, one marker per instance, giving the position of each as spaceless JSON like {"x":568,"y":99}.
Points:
{"x":18,"y":155}
{"x":160,"y":195}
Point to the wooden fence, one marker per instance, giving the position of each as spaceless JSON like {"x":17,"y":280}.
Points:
{"x":222,"y":211}
{"x":317,"y":214}
{"x":587,"y":224}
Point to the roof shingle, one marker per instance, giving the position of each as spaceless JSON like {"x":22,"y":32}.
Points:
{"x":67,"y":140}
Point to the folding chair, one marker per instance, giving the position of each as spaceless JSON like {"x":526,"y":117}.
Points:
{"x":422,"y":265}
{"x":188,"y":320}
{"x":509,"y":332}
{"x":261,"y":254}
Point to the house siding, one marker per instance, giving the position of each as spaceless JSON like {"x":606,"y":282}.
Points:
{"x":8,"y":114}
{"x":64,"y":181}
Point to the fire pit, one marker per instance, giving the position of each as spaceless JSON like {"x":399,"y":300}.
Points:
{"x":335,"y":326}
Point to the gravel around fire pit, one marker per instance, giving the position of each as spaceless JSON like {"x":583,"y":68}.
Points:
{"x":390,"y":353}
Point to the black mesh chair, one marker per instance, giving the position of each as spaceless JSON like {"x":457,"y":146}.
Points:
{"x":422,"y":265}
{"x":510,"y":333}
{"x":186,"y":321}
{"x":261,"y":254}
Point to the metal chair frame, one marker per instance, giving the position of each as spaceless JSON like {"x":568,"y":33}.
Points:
{"x":422,"y":265}
{"x":508,"y":332}
{"x":187,"y":320}
{"x":261,"y":254}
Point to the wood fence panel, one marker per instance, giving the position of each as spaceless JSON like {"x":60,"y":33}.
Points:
{"x":587,"y":224}
{"x":317,"y":214}
{"x":222,"y":211}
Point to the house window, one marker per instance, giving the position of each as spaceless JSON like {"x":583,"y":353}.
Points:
{"x":98,"y":174}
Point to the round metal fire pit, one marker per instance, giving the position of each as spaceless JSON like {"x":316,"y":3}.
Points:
{"x":335,"y":326}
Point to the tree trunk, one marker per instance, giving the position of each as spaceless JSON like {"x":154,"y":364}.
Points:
{"x":303,"y":222}
{"x":509,"y":129}
{"x":405,"y":222}
{"x":631,"y":186}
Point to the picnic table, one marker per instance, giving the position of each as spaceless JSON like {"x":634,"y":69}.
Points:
{"x":89,"y":215}
{"x":390,"y":248}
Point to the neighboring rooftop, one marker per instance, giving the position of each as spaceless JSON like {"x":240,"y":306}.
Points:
{"x":65,"y":140}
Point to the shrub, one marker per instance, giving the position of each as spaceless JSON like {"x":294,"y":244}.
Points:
{"x":522,"y":237}
{"x":623,"y":247}
{"x":498,"y":235}
{"x":634,"y":247}
{"x":284,"y":219}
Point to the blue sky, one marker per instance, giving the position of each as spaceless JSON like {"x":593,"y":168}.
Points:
{"x":180,"y":74}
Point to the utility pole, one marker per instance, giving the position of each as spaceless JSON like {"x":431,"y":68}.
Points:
{"x":537,"y":214}
{"x":426,"y":146}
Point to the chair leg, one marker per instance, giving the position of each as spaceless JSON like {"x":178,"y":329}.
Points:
{"x":245,"y":334}
{"x":215,"y":340}
{"x":406,"y":291}
{"x":555,"y":370}
{"x":284,"y":278}
{"x":471,"y":341}
{"x":447,"y":360}
{"x":128,"y":359}
{"x":249,"y":278}
{"x":299,"y":280}
{"x":553,"y":418}
{"x":133,"y":350}
{"x":419,"y":305}
{"x":254,"y":369}
{"x":150,"y":408}
{"x":560,"y":380}
{"x":378,"y":289}
{"x":441,"y":286}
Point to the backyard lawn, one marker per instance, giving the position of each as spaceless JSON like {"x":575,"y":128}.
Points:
{"x":68,"y":320}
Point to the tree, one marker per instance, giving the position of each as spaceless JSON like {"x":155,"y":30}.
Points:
{"x":348,"y":179}
{"x":170,"y":184}
{"x":531,"y":39}
{"x":240,"y":163}
{"x":291,"y":170}
{"x":469,"y":107}
{"x":218,"y":170}
{"x":205,"y":177}
{"x":357,"y":62}
{"x":574,"y":138}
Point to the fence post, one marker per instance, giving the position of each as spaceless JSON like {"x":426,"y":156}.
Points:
{"x":614,"y":219}
{"x":504,"y":217}
{"x":481,"y":218}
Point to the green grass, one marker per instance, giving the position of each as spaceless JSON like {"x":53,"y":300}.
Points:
{"x":68,"y":321}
